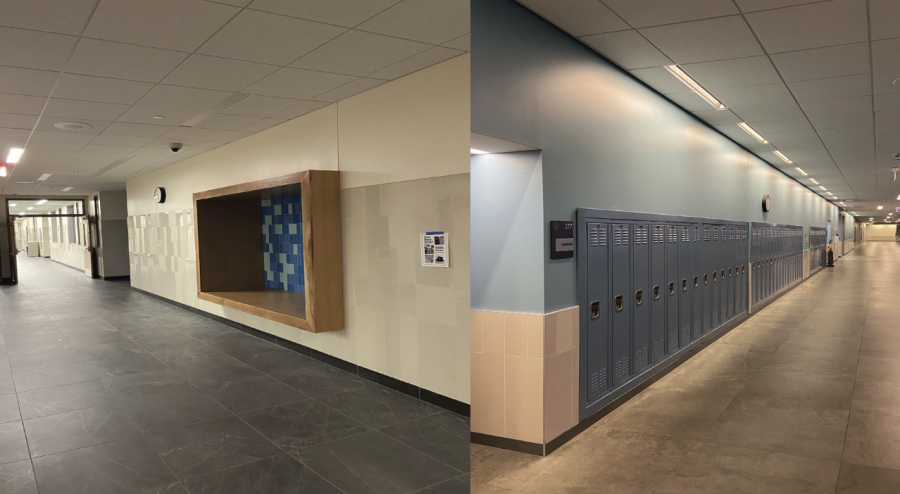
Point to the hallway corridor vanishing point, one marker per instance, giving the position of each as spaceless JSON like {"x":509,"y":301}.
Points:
{"x":105,"y":390}
{"x":802,"y":397}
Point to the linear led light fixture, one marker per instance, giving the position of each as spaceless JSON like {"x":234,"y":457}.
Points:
{"x":477,"y":151}
{"x":3,"y":171}
{"x":67,"y":189}
{"x":696,"y":87}
{"x":813,"y":180}
{"x":796,"y":168}
{"x":832,"y":195}
{"x":823,"y":188}
{"x":42,"y":201}
{"x":880,"y":207}
{"x":15,"y":154}
{"x":756,"y":135}
{"x":44,"y":177}
{"x":784,"y":158}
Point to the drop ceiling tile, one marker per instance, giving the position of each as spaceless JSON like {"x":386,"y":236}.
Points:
{"x":177,"y":104}
{"x":234,"y":136}
{"x":207,"y":72}
{"x":261,"y":106}
{"x":840,"y":106}
{"x":358,"y":53}
{"x":30,"y":82}
{"x":707,"y":40}
{"x":645,"y":13}
{"x":832,"y":88}
{"x":822,"y":63}
{"x":268,"y":38}
{"x":742,"y":72}
{"x":62,"y":147}
{"x":350,"y":89}
{"x":75,"y":109}
{"x":813,"y":25}
{"x":15,"y":121}
{"x":298,"y":84}
{"x":227,"y":122}
{"x":886,"y":55}
{"x":113,"y":150}
{"x":741,"y":97}
{"x":690,"y":101}
{"x":14,"y":134}
{"x":887,"y":130}
{"x":717,"y":117}
{"x":56,"y":16}
{"x":181,"y":25}
{"x":463,"y":43}
{"x":45,"y":136}
{"x":121,"y":61}
{"x":96,"y":126}
{"x":100,"y":89}
{"x":347,"y":13}
{"x":851,"y":149}
{"x":887,"y":102}
{"x":841,"y":121}
{"x":195,"y":134}
{"x":661,"y":79}
{"x":428,"y":21}
{"x":883,"y":15}
{"x":887,"y":117}
{"x":26,"y":105}
{"x":137,"y":130}
{"x":754,"y":5}
{"x":769,"y":112}
{"x":34,"y":50}
{"x":628,"y":49}
{"x":262,"y":124}
{"x":301,"y":109}
{"x":787,"y":125}
{"x":164,"y":143}
{"x":883,"y":82}
{"x":416,"y":62}
{"x":778,"y":138}
{"x":114,"y":140}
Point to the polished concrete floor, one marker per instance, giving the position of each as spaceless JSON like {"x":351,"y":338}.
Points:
{"x":104,"y":390}
{"x":802,"y":397}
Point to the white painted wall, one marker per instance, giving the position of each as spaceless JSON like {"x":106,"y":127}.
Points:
{"x":881,"y":232}
{"x":413,"y":129}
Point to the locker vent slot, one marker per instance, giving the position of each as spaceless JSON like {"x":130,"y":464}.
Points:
{"x":597,"y":236}
{"x":706,"y":235}
{"x":686,"y":334}
{"x":598,"y":381}
{"x":621,"y":368}
{"x":685,"y":234}
{"x":673,"y":234}
{"x":620,"y":235}
{"x":640,"y":235}
{"x":715,"y":234}
{"x":658,"y":235}
{"x":659,"y":348}
{"x":673,"y":342}
{"x":640,"y":358}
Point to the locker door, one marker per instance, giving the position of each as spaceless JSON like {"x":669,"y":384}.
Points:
{"x":598,"y":301}
{"x":696,"y":281}
{"x":732,"y":276}
{"x":715,"y":286}
{"x":768,"y":269}
{"x":742,"y":288}
{"x":724,"y":262}
{"x":620,"y":300}
{"x":754,"y":258}
{"x":659,"y":293}
{"x":673,"y":288}
{"x":685,"y":284}
{"x":640,"y":296}
{"x":706,"y":280}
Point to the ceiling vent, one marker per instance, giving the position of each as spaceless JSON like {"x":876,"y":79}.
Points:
{"x":72,"y":125}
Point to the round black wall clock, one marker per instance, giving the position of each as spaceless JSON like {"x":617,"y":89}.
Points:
{"x":766,"y":203}
{"x":159,"y":195}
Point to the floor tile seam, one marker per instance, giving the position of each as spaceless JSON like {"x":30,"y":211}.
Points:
{"x":24,"y":433}
{"x":381,"y":431}
{"x":838,"y":461}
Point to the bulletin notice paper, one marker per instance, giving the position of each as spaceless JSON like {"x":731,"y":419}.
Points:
{"x":435,"y":250}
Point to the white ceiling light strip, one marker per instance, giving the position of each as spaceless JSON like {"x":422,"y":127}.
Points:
{"x":695,"y":86}
{"x":756,"y":135}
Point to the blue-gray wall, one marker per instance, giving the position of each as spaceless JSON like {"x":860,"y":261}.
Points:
{"x":507,"y":246}
{"x":608,"y":141}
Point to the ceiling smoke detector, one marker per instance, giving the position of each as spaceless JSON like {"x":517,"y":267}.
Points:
{"x":72,"y":125}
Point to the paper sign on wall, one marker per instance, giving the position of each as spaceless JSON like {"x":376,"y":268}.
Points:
{"x":435,"y":250}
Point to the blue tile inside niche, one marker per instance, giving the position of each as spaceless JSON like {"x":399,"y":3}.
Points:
{"x":283,"y":243}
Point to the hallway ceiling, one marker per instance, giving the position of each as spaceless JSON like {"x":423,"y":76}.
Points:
{"x":813,"y":77}
{"x":215,"y":71}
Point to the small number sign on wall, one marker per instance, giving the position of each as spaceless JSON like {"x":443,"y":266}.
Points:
{"x":562,"y":240}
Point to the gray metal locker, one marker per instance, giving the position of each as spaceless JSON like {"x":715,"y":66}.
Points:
{"x":659,"y":293}
{"x":599,"y":305}
{"x":732,"y":276}
{"x":640,"y":296}
{"x":673,"y":288}
{"x":620,"y":298}
{"x":724,"y":280}
{"x":754,"y":257}
{"x":685,"y":281}
{"x":697,"y":281}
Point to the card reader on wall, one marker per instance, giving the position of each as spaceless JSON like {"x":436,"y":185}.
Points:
{"x":562,"y":239}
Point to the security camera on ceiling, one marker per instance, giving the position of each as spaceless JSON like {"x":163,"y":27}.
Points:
{"x":176,"y":146}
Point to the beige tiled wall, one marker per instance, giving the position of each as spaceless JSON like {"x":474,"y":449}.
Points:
{"x":524,"y":374}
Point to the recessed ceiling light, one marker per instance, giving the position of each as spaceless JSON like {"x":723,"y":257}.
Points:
{"x":22,"y":213}
{"x":753,"y":133}
{"x":15,"y":154}
{"x":24,"y":183}
{"x":695,"y":86}
{"x":823,"y":188}
{"x":12,"y":205}
{"x":832,"y":195}
{"x":29,"y":208}
{"x":477,"y":151}
{"x":42,"y":201}
{"x":44,"y":177}
{"x":797,"y":168}
{"x":157,"y":117}
{"x":72,"y":125}
{"x":2,"y":171}
{"x":813,"y":180}
{"x":67,"y":189}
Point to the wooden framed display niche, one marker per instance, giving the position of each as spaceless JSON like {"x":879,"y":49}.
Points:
{"x":230,"y":250}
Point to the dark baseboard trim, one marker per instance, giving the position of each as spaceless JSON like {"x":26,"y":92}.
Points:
{"x":412,"y":390}
{"x":116,"y":278}
{"x":559,"y":441}
{"x":506,"y":443}
{"x":80,"y":270}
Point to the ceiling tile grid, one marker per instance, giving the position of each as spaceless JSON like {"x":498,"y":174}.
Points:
{"x":140,"y":75}
{"x":816,"y":78}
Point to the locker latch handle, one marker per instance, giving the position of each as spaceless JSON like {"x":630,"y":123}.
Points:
{"x":729,"y":272}
{"x":715,"y":276}
{"x":684,"y":284}
{"x":723,"y":274}
{"x":672,"y":288}
{"x":639,"y":297}
{"x":620,"y":303}
{"x":656,"y":292}
{"x":744,"y":268}
{"x":595,"y":309}
{"x":705,"y":279}
{"x":695,"y":282}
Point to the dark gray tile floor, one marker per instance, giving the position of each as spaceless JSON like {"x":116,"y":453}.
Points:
{"x":802,"y":397}
{"x":104,"y":390}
